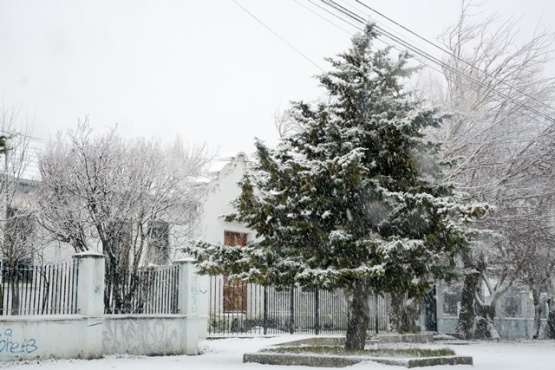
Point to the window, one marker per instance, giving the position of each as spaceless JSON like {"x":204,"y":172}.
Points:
{"x":159,"y":243}
{"x":512,"y":306}
{"x":235,"y":292}
{"x":451,"y":300}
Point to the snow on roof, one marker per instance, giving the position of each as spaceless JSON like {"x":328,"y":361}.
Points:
{"x":216,"y":166}
{"x":201,"y":179}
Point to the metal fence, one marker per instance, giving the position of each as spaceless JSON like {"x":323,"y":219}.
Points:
{"x":150,"y":290}
{"x":39,"y":290}
{"x":236,"y":308}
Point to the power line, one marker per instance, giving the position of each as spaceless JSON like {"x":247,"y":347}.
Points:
{"x":335,"y":15}
{"x":278,"y":36}
{"x":359,"y":28}
{"x":357,"y":18}
{"x":326,"y":19}
{"x":427,"y":56}
{"x":452,"y":55}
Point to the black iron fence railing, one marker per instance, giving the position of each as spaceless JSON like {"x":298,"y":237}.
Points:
{"x":149,"y":290}
{"x":39,"y":290}
{"x":236,"y":308}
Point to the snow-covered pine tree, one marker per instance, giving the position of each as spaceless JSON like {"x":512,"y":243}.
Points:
{"x":350,"y":200}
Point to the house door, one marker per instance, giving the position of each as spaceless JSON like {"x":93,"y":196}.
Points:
{"x":235,"y":292}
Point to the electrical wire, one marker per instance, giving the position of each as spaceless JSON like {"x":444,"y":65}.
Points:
{"x":357,"y":18}
{"x":453,"y":55}
{"x":326,"y":19}
{"x":279,"y":37}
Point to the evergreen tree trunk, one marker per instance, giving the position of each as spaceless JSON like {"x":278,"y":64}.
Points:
{"x":359,"y":318}
{"x":404,"y":314}
{"x":537,"y":312}
{"x":465,"y":325}
{"x":396,"y":315}
{"x":411,"y":315}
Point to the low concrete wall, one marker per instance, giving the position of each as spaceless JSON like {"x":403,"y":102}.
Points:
{"x":91,"y":334}
{"x":76,"y":336}
{"x":45,"y":337}
{"x":150,"y":335}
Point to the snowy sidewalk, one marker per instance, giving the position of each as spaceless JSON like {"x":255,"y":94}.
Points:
{"x":227,"y":354}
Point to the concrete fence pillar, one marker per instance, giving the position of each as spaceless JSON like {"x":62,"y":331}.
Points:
{"x":90,"y":287}
{"x":90,"y":301}
{"x":439,"y":310}
{"x":190,"y":302}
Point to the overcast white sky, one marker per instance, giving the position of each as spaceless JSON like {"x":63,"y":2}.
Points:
{"x":204,"y":70}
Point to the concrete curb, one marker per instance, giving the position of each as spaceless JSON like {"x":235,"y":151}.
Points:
{"x":340,"y":341}
{"x":343,"y":361}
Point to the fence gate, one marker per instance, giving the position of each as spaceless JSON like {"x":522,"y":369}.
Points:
{"x":253,"y":309}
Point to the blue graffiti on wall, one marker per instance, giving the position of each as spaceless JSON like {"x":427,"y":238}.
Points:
{"x":11,"y":346}
{"x":194,"y":294}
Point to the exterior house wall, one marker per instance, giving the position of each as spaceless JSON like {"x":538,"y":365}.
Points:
{"x":221,"y":191}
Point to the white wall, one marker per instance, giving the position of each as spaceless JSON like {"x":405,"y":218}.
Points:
{"x":45,"y":337}
{"x":220,"y":193}
{"x":150,"y":335}
{"x":76,"y":336}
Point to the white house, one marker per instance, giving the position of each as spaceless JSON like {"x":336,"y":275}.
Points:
{"x":224,"y":174}
{"x":227,"y":300}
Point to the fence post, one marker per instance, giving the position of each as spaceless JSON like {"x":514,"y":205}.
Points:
{"x":265,"y":314}
{"x":376,"y":314}
{"x":90,"y":283}
{"x":191,"y":303}
{"x":1,"y":288}
{"x":90,"y":301}
{"x":292,"y":311}
{"x":316,"y":311}
{"x":439,"y":307}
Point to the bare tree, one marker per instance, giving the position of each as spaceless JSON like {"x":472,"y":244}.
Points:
{"x":19,"y":242}
{"x":535,"y":174}
{"x":500,"y":105}
{"x":99,"y":192}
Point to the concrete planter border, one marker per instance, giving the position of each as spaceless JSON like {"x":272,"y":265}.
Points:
{"x":314,"y":360}
{"x":344,"y":361}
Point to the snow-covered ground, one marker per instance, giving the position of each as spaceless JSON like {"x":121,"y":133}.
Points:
{"x":227,"y":354}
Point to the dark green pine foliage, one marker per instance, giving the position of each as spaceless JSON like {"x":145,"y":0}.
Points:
{"x":352,"y":199}
{"x":3,"y":144}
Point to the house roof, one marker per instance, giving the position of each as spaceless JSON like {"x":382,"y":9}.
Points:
{"x":222,"y":163}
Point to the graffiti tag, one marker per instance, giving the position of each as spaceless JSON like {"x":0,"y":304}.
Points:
{"x":9,"y":345}
{"x":194,"y":293}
